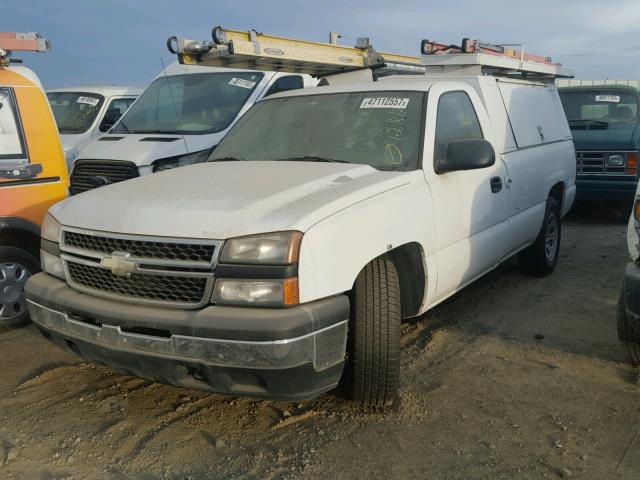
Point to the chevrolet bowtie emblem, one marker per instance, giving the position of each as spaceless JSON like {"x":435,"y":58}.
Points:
{"x":120,"y":264}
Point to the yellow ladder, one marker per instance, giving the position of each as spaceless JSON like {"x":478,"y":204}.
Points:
{"x":257,"y":51}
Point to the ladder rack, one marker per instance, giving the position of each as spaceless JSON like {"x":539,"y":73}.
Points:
{"x":22,"y":42}
{"x":476,"y":57}
{"x":257,"y":51}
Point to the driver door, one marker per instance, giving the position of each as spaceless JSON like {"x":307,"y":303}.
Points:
{"x":471,"y":207}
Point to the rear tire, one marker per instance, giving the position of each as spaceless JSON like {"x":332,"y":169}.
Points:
{"x":16,"y":266}
{"x":628,"y":333}
{"x":540,"y":258}
{"x":374,"y":357}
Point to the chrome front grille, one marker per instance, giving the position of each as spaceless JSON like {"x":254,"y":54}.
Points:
{"x":595,"y":163}
{"x":89,"y":174}
{"x":140,"y":269}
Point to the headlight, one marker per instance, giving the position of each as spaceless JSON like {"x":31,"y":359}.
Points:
{"x":52,"y":264}
{"x":181,"y":161}
{"x":50,"y":229}
{"x":615,"y":160}
{"x":233,"y":291}
{"x":278,"y":248}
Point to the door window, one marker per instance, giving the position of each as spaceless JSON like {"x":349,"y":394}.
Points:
{"x":291,"y":82}
{"x":12,"y":146}
{"x":115,"y":110}
{"x":456,"y":120}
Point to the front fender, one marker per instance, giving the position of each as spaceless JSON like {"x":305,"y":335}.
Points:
{"x":336,"y":249}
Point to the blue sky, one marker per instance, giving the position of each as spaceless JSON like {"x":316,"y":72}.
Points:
{"x":122,"y":42}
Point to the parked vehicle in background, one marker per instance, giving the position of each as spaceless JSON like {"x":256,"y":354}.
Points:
{"x":286,"y":262}
{"x":33,"y":175}
{"x":606,"y":132}
{"x":85,"y":113}
{"x":177,"y":121}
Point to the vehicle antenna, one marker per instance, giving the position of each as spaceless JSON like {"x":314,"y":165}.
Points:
{"x":173,"y":103}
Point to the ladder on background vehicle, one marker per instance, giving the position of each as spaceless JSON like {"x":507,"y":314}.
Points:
{"x":257,"y":51}
{"x":22,"y":42}
{"x":486,"y":58}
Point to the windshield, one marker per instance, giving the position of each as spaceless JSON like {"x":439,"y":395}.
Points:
{"x":189,"y":104}
{"x":381,"y":129}
{"x":74,"y":111}
{"x":599,"y":108}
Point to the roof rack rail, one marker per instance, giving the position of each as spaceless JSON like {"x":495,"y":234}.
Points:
{"x":257,"y":51}
{"x":476,"y":57}
{"x":22,"y":42}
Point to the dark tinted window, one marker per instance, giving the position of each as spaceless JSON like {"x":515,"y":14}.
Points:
{"x":456,"y":120}
{"x":115,"y":110}
{"x":283,"y":84}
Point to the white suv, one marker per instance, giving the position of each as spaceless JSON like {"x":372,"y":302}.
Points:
{"x":287,"y":261}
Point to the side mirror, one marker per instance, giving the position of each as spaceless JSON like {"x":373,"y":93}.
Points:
{"x":465,"y":155}
{"x":110,"y":118}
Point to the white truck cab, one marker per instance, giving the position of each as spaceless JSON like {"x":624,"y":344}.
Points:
{"x":177,"y":121}
{"x":285,"y":263}
{"x":87,"y":112}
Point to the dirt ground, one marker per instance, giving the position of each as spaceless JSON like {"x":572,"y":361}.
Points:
{"x":481,"y":396}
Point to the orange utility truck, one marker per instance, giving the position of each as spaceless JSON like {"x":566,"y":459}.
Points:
{"x":33,"y":175}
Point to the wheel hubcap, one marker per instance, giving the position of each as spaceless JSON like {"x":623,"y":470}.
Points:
{"x":13,"y":303}
{"x":551,"y":237}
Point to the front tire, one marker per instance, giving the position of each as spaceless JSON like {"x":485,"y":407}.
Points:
{"x":540,"y":258}
{"x":16,"y":266}
{"x":628,"y":333}
{"x":374,"y":355}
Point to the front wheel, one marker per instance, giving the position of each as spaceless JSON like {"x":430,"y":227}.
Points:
{"x":374,"y":356}
{"x":541,"y":257}
{"x":16,"y":266}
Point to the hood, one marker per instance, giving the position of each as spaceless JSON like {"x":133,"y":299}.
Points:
{"x":623,"y":137}
{"x":143,"y":149}
{"x":220,"y":200}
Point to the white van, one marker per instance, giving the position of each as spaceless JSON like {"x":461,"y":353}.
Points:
{"x":177,"y":121}
{"x":285,"y":263}
{"x":85,"y":113}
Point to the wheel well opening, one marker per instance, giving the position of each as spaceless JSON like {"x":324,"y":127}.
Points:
{"x":408,"y":262}
{"x":557,"y":192}
{"x":21,"y":239}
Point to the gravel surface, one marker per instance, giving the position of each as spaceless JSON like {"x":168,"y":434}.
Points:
{"x":515,"y":377}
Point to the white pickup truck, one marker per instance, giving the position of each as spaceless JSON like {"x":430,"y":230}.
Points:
{"x":285,"y":263}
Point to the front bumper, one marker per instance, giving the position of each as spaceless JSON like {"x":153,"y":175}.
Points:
{"x":286,"y":354}
{"x":598,"y":190}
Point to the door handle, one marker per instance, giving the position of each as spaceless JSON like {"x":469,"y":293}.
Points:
{"x":496,"y":184}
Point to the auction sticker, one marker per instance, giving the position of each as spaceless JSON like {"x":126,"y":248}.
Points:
{"x":384,"y":102}
{"x":608,"y":98}
{"x":239,"y":82}
{"x":88,"y":100}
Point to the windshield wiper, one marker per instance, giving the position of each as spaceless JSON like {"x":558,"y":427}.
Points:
{"x":588,"y":120}
{"x":165,"y":132}
{"x":226,"y":159}
{"x":313,"y":159}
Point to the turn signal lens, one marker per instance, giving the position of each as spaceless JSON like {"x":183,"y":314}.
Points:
{"x":636,"y":210}
{"x":632,"y":163}
{"x":290,"y":291}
